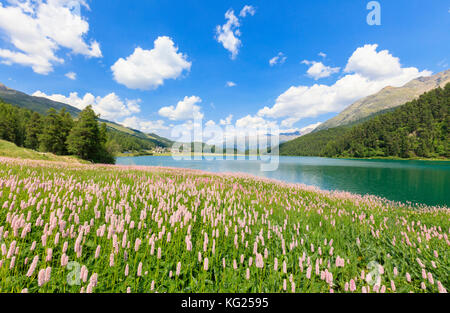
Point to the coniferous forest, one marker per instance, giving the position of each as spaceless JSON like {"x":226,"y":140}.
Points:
{"x":57,"y":132}
{"x":419,"y":128}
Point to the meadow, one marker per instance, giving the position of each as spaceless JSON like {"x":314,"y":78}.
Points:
{"x":68,"y":227}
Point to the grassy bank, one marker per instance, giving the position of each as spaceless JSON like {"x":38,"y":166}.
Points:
{"x":90,"y":228}
{"x":376,"y":158}
{"x":134,"y":153}
{"x":9,"y":149}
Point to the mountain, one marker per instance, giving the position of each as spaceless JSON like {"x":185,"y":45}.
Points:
{"x":290,"y":136}
{"x":36,"y":104}
{"x":312,"y":144}
{"x":419,"y":128}
{"x":127,"y":138}
{"x":386,"y":99}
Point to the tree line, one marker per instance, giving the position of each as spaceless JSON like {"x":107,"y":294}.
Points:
{"x":419,"y":128}
{"x":58,"y":132}
{"x":312,"y":144}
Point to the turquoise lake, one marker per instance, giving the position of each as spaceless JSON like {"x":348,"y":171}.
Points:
{"x":426,"y":182}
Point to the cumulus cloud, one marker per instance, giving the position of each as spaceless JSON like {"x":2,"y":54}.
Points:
{"x":318,"y":70}
{"x":186,"y":109}
{"x":278,"y":59}
{"x":323,"y":55}
{"x":228,"y":33}
{"x":71,"y":75}
{"x":230,"y":84}
{"x":362,"y":79}
{"x":38,"y":29}
{"x":247,"y":9}
{"x":147,"y":69}
{"x":227,"y":120}
{"x":374,"y":64}
{"x":144,"y":125}
{"x":254,"y":122}
{"x":110,"y":107}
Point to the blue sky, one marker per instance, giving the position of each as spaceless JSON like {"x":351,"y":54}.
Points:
{"x":192,"y":64}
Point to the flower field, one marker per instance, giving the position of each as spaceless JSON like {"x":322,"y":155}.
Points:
{"x":96,"y":228}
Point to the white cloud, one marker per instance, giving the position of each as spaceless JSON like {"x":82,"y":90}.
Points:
{"x":278,"y":59}
{"x":318,"y":70}
{"x":147,"y":69}
{"x":309,"y":101}
{"x":374,"y":65}
{"x":230,"y":84}
{"x":189,"y":125}
{"x":110,"y":107}
{"x":228,"y":33}
{"x":248,"y":9}
{"x":144,"y":125}
{"x":210,"y":123}
{"x":185,"y":109}
{"x":38,"y":29}
{"x":323,"y":55}
{"x":227,"y":120}
{"x":254,"y":122}
{"x":71,"y":75}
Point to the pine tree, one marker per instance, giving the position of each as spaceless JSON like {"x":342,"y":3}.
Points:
{"x":8,"y":123}
{"x":66,"y":127}
{"x":87,"y":140}
{"x":33,"y":130}
{"x":54,"y":133}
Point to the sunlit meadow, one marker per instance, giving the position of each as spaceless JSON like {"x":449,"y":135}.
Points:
{"x":93,"y":228}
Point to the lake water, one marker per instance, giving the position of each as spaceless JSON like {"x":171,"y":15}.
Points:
{"x":425,"y":182}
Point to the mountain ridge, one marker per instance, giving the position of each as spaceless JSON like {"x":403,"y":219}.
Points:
{"x":387,"y":98}
{"x":418,"y":128}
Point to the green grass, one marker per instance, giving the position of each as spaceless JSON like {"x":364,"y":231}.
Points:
{"x":9,"y":149}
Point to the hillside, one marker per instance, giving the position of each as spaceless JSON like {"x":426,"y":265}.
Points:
{"x":387,"y":98}
{"x":35,"y":104}
{"x":129,"y":139}
{"x":419,"y":128}
{"x":312,"y":144}
{"x":10,"y":150}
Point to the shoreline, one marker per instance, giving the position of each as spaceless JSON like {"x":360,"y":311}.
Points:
{"x":371,"y":158}
{"x":138,"y":154}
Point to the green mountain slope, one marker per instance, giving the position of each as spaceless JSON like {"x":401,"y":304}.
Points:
{"x":35,"y":104}
{"x":312,"y":144}
{"x":388,"y":98}
{"x":128,"y":139}
{"x":419,"y":128}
